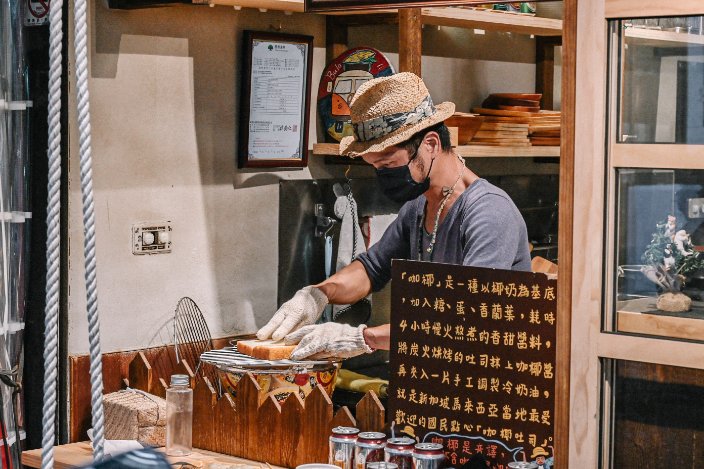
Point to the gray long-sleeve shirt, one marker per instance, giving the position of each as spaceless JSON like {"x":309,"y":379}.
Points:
{"x":483,"y":228}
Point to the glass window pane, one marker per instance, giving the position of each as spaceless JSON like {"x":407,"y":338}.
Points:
{"x":661,"y":65}
{"x":659,"y":271}
{"x":655,"y":420}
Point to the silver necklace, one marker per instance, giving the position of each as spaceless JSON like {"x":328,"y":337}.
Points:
{"x":447,"y":192}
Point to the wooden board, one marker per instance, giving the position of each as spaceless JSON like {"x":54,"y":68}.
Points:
{"x":501,"y":113}
{"x":660,"y":325}
{"x":79,"y":454}
{"x":501,"y":134}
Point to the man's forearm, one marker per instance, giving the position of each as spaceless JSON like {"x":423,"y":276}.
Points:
{"x":347,"y":286}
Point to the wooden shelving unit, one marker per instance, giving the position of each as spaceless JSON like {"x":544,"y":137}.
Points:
{"x":441,"y":16}
{"x":466,"y":151}
{"x":491,"y":21}
{"x":657,"y":38}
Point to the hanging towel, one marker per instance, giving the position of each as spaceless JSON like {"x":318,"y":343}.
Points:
{"x":350,"y":245}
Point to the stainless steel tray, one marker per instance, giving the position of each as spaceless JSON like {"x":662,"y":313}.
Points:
{"x":231,"y":360}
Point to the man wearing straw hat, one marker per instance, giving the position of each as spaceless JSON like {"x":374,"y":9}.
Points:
{"x":450,"y":215}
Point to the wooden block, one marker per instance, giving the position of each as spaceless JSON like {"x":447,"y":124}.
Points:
{"x":343,"y":418}
{"x":501,"y":140}
{"x":246,"y":403}
{"x":501,"y":134}
{"x":501,"y":113}
{"x":497,"y":144}
{"x":370,"y":413}
{"x":228,"y":426}
{"x":507,"y":126}
{"x":292,"y":421}
{"x":519,"y":108}
{"x":141,"y":376}
{"x":317,"y":413}
{"x":271,"y":430}
{"x":204,"y":401}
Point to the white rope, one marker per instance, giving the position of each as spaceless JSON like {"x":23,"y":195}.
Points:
{"x":53,"y":232}
{"x":84,"y":137}
{"x":53,"y":223}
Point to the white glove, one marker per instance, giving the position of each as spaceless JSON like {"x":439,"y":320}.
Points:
{"x":304,"y":308}
{"x":328,"y":340}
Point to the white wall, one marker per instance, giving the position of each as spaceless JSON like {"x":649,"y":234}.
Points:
{"x":164,"y":86}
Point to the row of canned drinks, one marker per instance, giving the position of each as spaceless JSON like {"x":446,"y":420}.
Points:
{"x":350,"y":449}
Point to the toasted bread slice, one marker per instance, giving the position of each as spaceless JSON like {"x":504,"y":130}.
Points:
{"x":265,"y":349}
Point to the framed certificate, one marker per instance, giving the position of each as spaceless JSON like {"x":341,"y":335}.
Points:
{"x":275,"y":100}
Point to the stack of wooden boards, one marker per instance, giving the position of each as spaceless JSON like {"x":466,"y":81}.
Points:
{"x":515,"y":119}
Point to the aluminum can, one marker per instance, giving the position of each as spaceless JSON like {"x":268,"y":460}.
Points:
{"x":381,"y":465}
{"x":400,"y":452}
{"x":342,"y":443}
{"x":428,"y":456}
{"x":369,"y":448}
{"x":522,"y":465}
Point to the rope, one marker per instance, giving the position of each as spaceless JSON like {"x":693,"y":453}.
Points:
{"x":51,"y":318}
{"x":53,"y":231}
{"x":86,"y":163}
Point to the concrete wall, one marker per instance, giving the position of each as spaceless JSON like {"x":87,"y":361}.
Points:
{"x":165,"y":89}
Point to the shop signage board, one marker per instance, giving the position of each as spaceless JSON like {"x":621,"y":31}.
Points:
{"x":472,"y":360}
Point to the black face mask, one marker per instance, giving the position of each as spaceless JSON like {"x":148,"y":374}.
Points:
{"x":398,"y":185}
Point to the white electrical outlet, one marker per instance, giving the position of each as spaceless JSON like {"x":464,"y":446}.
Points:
{"x":151,"y":238}
{"x":696,"y":208}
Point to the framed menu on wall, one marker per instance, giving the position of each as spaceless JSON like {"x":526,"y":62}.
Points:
{"x":275,"y":100}
{"x":472,"y":361}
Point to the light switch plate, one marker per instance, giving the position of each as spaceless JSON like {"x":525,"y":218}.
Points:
{"x":151,"y":238}
{"x":695,"y":208}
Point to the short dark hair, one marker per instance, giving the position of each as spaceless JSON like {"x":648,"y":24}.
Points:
{"x":411,"y":145}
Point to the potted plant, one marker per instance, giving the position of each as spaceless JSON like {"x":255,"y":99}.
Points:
{"x":668,"y":260}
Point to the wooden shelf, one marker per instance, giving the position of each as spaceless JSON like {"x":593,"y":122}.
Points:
{"x":641,"y":317}
{"x":466,"y":151}
{"x":442,"y":16}
{"x":657,"y":38}
{"x":492,"y":21}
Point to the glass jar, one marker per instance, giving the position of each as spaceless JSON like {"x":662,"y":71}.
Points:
{"x":179,"y":417}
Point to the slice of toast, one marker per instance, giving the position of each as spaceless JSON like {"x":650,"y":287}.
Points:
{"x":265,"y":349}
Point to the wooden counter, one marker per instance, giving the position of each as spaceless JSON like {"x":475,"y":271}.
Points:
{"x":79,"y":454}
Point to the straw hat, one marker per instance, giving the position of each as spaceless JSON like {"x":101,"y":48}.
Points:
{"x":539,"y":451}
{"x":389,"y":110}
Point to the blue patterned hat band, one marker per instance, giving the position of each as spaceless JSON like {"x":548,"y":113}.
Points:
{"x":379,"y":126}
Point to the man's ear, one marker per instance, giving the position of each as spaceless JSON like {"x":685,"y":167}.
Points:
{"x":432,"y":140}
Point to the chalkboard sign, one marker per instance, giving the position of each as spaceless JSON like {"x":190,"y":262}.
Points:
{"x":473,"y":361}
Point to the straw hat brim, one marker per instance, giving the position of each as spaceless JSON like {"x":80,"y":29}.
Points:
{"x":349,"y":146}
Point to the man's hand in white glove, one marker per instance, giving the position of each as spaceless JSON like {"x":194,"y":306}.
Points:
{"x":328,"y":340}
{"x":304,"y":308}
